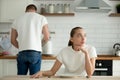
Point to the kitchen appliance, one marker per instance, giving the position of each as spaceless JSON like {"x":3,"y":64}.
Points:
{"x":93,"y":6}
{"x":103,"y":68}
{"x":116,"y":47}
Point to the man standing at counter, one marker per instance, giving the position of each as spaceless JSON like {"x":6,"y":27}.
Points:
{"x":26,"y":36}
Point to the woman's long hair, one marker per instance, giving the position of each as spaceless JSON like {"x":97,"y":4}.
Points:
{"x":70,"y":43}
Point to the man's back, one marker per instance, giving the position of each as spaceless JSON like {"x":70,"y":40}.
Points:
{"x":29,"y":28}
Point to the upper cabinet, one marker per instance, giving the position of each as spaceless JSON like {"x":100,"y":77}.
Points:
{"x":11,"y":9}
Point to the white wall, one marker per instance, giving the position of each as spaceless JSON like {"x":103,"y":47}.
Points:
{"x":102,"y":30}
{"x":6,"y":27}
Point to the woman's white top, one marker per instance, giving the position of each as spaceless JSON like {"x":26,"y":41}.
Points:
{"x":74,"y":61}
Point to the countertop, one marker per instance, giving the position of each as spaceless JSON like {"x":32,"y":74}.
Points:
{"x":46,"y":57}
{"x":108,"y":57}
{"x":59,"y":78}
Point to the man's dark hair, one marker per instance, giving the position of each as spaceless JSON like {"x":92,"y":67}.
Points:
{"x":31,"y":7}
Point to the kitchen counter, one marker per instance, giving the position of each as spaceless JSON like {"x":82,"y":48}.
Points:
{"x":100,"y":57}
{"x":108,"y":57}
{"x":59,"y":78}
{"x":14,"y":57}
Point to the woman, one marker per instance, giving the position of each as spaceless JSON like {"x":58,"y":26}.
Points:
{"x":78,"y":58}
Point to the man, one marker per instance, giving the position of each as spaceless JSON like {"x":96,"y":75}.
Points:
{"x":26,"y":36}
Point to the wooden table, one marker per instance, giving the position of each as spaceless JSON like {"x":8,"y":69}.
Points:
{"x":59,"y":78}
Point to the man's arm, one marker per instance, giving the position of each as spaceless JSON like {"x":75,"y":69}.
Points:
{"x":14,"y":35}
{"x":45,"y":33}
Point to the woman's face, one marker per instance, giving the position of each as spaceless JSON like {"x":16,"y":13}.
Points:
{"x":79,"y":38}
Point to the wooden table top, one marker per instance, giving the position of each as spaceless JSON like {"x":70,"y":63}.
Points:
{"x":60,"y":78}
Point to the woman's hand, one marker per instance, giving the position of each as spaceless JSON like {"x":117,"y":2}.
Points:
{"x":37,"y":75}
{"x":84,"y":50}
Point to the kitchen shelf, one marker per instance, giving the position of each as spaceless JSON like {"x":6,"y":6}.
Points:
{"x":114,"y":15}
{"x":53,"y":0}
{"x":58,"y":14}
{"x":114,"y":0}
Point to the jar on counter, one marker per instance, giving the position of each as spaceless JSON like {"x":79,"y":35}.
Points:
{"x":59,"y":8}
{"x":66,"y":8}
{"x":46,"y":8}
{"x":51,"y":8}
{"x":42,"y":9}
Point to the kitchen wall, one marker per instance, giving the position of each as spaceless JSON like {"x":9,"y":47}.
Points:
{"x":102,"y":31}
{"x":6,"y":27}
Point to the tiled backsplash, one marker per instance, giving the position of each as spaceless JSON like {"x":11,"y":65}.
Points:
{"x":102,"y":36}
{"x":102,"y":31}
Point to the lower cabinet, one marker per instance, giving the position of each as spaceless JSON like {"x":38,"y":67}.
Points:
{"x":9,"y":67}
{"x":1,"y":68}
{"x":116,"y":69}
{"x":47,"y":64}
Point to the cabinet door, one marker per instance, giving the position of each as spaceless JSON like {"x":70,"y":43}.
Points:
{"x":11,"y":9}
{"x":1,"y":68}
{"x":47,"y":64}
{"x":9,"y":67}
{"x":116,"y":69}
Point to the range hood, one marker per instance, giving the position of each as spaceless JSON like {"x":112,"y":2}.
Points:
{"x":93,"y":6}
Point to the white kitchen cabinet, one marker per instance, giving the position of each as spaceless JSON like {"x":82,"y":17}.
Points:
{"x":10,"y":67}
{"x":116,"y":69}
{"x":47,"y":64}
{"x":1,"y":68}
{"x":11,"y":9}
